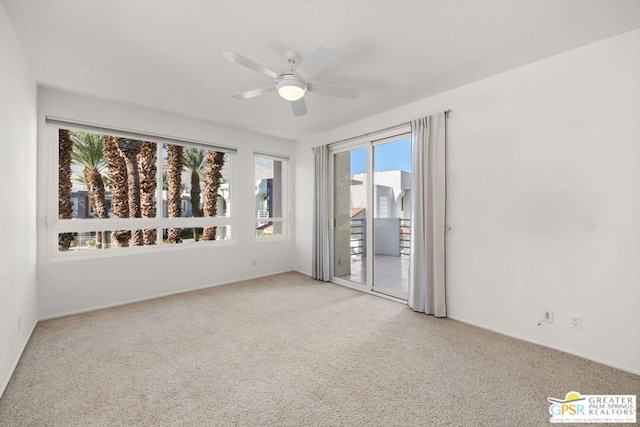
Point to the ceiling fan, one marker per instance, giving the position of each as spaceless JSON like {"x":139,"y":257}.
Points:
{"x":293,"y":83}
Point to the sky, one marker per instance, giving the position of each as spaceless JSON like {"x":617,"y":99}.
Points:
{"x":386,"y":157}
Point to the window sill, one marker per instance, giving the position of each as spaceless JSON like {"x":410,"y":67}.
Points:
{"x":94,"y":254}
{"x":263,"y":239}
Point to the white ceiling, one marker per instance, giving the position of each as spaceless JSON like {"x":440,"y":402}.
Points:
{"x":167,"y":54}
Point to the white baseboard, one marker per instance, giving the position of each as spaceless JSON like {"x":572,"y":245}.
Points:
{"x":118,"y":304}
{"x":6,"y":381}
{"x":564,"y":350}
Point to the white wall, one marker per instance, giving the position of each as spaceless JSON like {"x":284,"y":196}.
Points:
{"x":18,"y":191}
{"x":544,"y":193}
{"x":79,"y":285}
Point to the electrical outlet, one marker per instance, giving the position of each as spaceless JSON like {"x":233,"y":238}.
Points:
{"x":253,"y":262}
{"x":575,"y":321}
{"x":547,"y":315}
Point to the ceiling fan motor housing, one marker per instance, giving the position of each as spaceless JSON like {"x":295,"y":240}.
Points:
{"x":291,"y":56}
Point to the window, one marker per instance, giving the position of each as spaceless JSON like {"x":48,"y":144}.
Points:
{"x":116,"y":190}
{"x":383,"y":209}
{"x":270,"y":195}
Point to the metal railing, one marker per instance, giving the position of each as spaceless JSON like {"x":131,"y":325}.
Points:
{"x":405,"y":239}
{"x":357,"y":240}
{"x":357,"y":236}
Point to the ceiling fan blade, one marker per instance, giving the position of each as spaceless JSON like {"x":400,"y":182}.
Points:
{"x":333,"y":90}
{"x":239,"y":59}
{"x":255,"y":92}
{"x":299,"y":107}
{"x":318,"y":61}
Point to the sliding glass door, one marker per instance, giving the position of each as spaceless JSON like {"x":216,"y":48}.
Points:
{"x":372,"y":215}
{"x":392,"y":216}
{"x":350,"y":226}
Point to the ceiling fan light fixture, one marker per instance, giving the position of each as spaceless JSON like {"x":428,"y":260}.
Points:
{"x":290,"y":87}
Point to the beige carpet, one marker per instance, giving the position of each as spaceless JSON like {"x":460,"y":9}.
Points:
{"x":287,"y":351}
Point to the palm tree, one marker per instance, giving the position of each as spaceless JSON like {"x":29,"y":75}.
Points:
{"x":214,"y":164}
{"x":65,"y":204}
{"x":87,"y":152}
{"x":129,"y":149}
{"x":78,"y":178}
{"x":147,"y":167}
{"x":118,"y":185}
{"x":165,"y":182}
{"x":174,"y":181}
{"x":194,"y":162}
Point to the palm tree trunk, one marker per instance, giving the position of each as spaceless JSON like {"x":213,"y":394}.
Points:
{"x":129,"y":148}
{"x":195,"y":201}
{"x":174,"y":179}
{"x":65,"y":204}
{"x":195,"y":195}
{"x":147,"y":167}
{"x":118,"y":185}
{"x":215,"y":162}
{"x":93,"y":180}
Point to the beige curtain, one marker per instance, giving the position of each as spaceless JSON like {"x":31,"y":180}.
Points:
{"x":320,"y":237}
{"x":427,"y":268}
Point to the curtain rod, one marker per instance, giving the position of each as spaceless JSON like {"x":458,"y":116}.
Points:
{"x":387,"y":129}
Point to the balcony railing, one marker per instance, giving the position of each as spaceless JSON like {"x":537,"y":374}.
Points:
{"x":405,"y":239}
{"x":358,"y":227}
{"x":357,"y":240}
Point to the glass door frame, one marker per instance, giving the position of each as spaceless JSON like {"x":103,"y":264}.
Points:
{"x":368,"y":142}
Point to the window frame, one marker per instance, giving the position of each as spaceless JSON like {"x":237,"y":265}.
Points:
{"x":54,"y":225}
{"x":285,"y":218}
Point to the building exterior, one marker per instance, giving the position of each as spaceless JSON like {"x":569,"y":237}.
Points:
{"x":392,"y":193}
